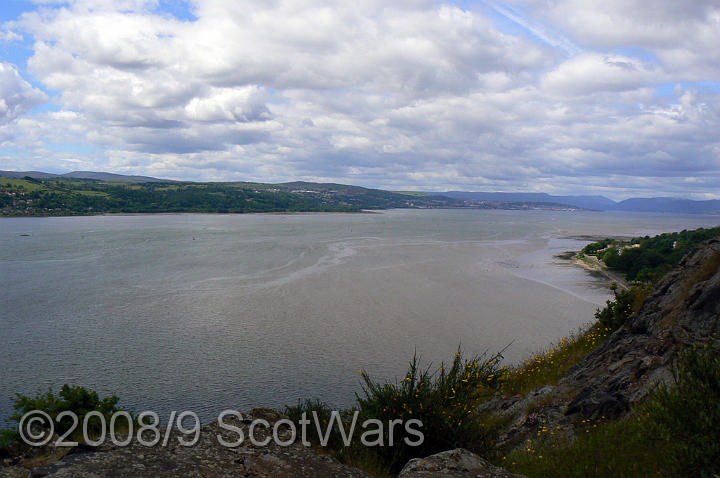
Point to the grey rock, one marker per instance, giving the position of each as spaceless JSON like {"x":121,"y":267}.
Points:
{"x":267,"y":414}
{"x":457,"y":463}
{"x":14,"y":472}
{"x":207,"y":458}
{"x":593,"y":403}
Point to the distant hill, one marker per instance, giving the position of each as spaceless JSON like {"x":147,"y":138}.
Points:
{"x":29,"y":193}
{"x":100,"y":176}
{"x":600,"y":203}
{"x":669,"y":205}
{"x":31,"y":174}
{"x":112,"y":177}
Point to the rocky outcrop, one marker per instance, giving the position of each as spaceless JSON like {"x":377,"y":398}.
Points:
{"x":207,"y":458}
{"x":458,"y":463}
{"x":683,"y":309}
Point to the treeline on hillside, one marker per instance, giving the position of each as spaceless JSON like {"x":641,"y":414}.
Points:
{"x":29,"y":197}
{"x":645,"y":259}
{"x":62,"y":196}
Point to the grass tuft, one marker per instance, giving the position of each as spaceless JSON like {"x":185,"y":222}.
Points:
{"x":549,"y":366}
{"x":620,"y":449}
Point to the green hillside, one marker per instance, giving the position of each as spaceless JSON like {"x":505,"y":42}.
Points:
{"x":68,"y":196}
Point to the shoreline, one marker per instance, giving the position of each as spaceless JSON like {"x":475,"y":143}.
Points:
{"x":595,"y":267}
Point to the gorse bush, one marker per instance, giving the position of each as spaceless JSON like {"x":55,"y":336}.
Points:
{"x":443,"y":401}
{"x":687,"y":413}
{"x":78,"y":400}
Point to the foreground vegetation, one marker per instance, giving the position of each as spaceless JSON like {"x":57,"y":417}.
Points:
{"x":76,"y":399}
{"x":676,"y":433}
{"x":444,"y":401}
{"x":548,"y":366}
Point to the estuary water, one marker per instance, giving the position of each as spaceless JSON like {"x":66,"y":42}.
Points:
{"x":209,"y":312}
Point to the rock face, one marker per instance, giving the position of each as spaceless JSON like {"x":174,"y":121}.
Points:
{"x":458,"y":463}
{"x":684,"y":309}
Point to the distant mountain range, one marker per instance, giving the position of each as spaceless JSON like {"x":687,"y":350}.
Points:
{"x":599,"y":203}
{"x":669,"y":205}
{"x":100,"y":176}
{"x":491,"y":200}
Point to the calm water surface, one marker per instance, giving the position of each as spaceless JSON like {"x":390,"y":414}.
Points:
{"x":208,"y":312}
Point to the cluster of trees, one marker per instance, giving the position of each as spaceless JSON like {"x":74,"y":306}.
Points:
{"x":645,"y":259}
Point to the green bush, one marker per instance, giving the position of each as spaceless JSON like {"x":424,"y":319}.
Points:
{"x":688,"y":413}
{"x":443,"y":401}
{"x":7,"y":437}
{"x":618,"y":311}
{"x":78,"y":400}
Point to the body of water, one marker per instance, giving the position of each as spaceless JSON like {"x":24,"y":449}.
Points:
{"x":208,"y":312}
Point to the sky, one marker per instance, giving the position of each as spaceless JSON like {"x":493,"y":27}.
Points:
{"x":619,"y":97}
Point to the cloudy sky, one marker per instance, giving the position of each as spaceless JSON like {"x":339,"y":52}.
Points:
{"x":613,"y":97}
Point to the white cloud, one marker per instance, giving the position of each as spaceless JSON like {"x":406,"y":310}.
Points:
{"x":405,"y":94}
{"x":682,"y":35}
{"x":9,"y":36}
{"x":16,"y":94}
{"x":592,"y":73}
{"x":242,"y":105}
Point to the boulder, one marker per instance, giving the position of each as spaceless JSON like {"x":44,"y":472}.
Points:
{"x":457,"y":463}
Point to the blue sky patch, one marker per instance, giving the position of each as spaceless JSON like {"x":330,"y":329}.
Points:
{"x":179,"y":9}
